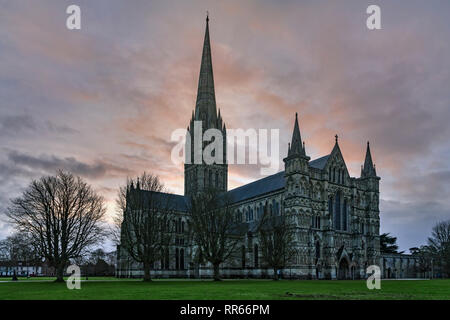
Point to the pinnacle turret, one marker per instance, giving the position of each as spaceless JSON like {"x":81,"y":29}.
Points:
{"x":368,"y":169}
{"x":296,"y":147}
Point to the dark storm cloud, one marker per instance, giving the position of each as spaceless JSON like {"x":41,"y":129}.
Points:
{"x":104,"y":100}
{"x":51,"y":163}
{"x":14,"y":125}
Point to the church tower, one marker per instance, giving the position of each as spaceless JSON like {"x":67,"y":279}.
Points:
{"x":297,"y":206}
{"x":199,"y":175}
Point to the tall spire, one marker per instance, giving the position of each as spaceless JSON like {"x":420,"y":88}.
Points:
{"x":205,"y":107}
{"x":369,"y":169}
{"x":296,"y":144}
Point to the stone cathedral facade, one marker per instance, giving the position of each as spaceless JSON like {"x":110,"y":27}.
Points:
{"x":335,"y":216}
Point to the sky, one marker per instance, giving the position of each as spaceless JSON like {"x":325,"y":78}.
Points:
{"x":103,"y":101}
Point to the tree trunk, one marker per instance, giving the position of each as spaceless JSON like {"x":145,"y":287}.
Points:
{"x":275,"y":274}
{"x":216,"y":272}
{"x":60,"y":273}
{"x":147,"y":276}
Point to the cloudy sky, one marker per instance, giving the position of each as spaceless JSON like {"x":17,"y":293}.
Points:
{"x":103,"y":101}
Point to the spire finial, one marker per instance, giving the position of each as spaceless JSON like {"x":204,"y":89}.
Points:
{"x":336,"y":137}
{"x":207,"y":16}
{"x":369,"y":168}
{"x":205,"y":105}
{"x":296,"y":144}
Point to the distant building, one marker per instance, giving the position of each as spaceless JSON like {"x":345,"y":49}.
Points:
{"x":22,"y":269}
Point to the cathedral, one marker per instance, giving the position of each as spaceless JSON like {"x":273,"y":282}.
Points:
{"x":335,"y":216}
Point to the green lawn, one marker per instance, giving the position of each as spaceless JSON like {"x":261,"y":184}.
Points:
{"x":226,"y":290}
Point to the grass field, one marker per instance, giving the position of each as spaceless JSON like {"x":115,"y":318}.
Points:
{"x":98,"y":288}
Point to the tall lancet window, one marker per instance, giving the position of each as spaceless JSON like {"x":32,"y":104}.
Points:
{"x":337,"y":211}
{"x":344,"y":215}
{"x":317,"y":250}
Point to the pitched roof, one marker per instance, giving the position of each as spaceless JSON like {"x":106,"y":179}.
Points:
{"x":175,"y":202}
{"x":258,"y":187}
{"x":320,"y":162}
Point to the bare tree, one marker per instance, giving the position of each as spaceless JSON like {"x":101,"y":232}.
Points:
{"x":276,"y":237}
{"x":213,"y":228}
{"x":439,"y":244}
{"x":19,"y":247}
{"x":144,"y":215}
{"x":423,"y":256}
{"x":63,"y":216}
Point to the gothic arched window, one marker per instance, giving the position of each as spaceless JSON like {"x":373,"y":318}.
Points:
{"x":181,"y":259}
{"x":337,"y":212}
{"x":166,"y":259}
{"x":344,"y":215}
{"x":317,"y":250}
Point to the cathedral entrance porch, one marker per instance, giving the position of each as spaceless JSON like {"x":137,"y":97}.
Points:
{"x":343,"y":270}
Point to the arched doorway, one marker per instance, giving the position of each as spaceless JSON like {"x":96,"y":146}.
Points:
{"x":343,"y":271}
